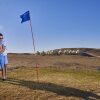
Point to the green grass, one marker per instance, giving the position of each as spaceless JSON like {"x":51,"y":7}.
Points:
{"x":53,"y":84}
{"x":60,"y":78}
{"x":74,"y":73}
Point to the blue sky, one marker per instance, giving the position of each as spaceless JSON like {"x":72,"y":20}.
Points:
{"x":56,"y":24}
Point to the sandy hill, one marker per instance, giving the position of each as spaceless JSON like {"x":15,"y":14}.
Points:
{"x":84,"y":51}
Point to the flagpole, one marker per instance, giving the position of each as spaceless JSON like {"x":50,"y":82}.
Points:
{"x":32,"y":35}
{"x":33,"y":46}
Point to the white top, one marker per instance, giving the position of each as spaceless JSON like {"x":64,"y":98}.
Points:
{"x":2,"y":42}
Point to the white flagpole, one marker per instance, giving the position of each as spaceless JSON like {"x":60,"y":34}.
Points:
{"x":33,"y":46}
{"x":32,"y":35}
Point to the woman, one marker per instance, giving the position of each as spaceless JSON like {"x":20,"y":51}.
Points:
{"x":3,"y":57}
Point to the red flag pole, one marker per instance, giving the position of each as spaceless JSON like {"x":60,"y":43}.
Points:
{"x":34,"y":47}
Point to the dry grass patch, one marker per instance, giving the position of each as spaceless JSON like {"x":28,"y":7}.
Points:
{"x":53,"y":84}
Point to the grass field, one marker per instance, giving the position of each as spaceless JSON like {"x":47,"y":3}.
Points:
{"x":60,"y":78}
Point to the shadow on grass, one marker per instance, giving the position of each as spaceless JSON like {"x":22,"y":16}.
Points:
{"x":58,"y":89}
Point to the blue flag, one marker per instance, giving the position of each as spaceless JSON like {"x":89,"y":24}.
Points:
{"x":25,"y":17}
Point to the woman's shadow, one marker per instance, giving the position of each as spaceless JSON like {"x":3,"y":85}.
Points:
{"x":58,"y":89}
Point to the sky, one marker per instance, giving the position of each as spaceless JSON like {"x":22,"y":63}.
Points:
{"x":56,"y":24}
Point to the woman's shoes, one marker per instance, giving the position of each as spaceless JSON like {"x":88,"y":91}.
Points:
{"x":4,"y":78}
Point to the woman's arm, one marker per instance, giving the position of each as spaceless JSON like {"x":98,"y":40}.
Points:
{"x":2,"y":48}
